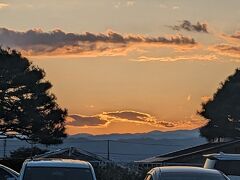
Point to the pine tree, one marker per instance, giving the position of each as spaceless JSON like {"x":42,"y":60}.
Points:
{"x":223,"y":110}
{"x":27,"y":108}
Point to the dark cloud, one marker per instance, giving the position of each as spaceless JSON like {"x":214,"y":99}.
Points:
{"x":236,"y":35}
{"x":78,"y":120}
{"x":122,"y":116}
{"x":132,"y":116}
{"x":37,"y":42}
{"x":166,"y":124}
{"x":188,"y":26}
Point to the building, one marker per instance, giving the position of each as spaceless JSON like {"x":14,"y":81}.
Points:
{"x":193,"y":155}
{"x":74,"y":153}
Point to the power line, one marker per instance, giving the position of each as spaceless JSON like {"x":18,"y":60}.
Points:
{"x":126,"y":142}
{"x":150,"y":144}
{"x":124,"y":154}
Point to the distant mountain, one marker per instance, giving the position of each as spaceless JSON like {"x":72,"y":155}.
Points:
{"x":131,"y":147}
{"x":124,"y":147}
{"x":156,"y":135}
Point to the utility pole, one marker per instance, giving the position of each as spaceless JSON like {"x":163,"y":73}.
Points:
{"x":108,"y":150}
{"x":4,"y":147}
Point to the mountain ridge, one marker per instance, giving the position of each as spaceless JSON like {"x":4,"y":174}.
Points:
{"x":178,"y":134}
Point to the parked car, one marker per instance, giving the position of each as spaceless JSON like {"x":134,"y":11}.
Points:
{"x":7,"y":174}
{"x":56,"y":169}
{"x":227,"y":163}
{"x":184,"y":173}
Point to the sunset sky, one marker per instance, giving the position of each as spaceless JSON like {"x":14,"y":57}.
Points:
{"x":127,"y":66}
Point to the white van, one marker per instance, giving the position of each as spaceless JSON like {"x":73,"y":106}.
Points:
{"x":229,"y":164}
{"x":56,"y":169}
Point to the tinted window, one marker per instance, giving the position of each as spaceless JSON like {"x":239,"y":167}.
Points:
{"x":191,"y":176}
{"x":52,"y":173}
{"x":4,"y":174}
{"x":228,"y":167}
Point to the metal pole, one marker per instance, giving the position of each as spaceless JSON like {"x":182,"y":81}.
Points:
{"x":4,"y":147}
{"x":108,"y":149}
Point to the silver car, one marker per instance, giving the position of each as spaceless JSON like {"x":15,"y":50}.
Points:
{"x":184,"y":173}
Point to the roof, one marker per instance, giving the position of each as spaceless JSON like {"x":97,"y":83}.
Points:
{"x":73,"y":153}
{"x":223,"y":156}
{"x":57,"y":163}
{"x":185,"y":169}
{"x":201,"y":149}
{"x":11,"y":171}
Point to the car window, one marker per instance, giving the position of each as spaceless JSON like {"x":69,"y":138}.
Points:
{"x":4,"y":174}
{"x":57,"y":173}
{"x":148,"y":177}
{"x":191,"y":176}
{"x":228,"y":167}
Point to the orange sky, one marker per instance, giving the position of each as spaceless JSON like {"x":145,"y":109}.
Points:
{"x":127,"y":66}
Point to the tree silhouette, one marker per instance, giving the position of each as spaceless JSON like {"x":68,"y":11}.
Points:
{"x":25,"y":153}
{"x":27,"y":109}
{"x":223,"y":110}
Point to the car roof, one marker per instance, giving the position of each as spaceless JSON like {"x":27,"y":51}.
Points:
{"x":9,"y":170}
{"x":184,"y":169}
{"x":223,"y":156}
{"x":57,"y":163}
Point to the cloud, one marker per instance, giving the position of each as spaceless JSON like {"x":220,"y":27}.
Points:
{"x":226,"y":50}
{"x":210,"y":57}
{"x":236,"y":35}
{"x":130,"y":3}
{"x":230,"y":48}
{"x":36,"y":42}
{"x":105,"y":118}
{"x":117,"y":5}
{"x":189,"y":97}
{"x":3,"y":5}
{"x":81,"y":120}
{"x":188,"y":26}
{"x":132,"y":116}
{"x":205,"y":98}
{"x":175,"y":7}
{"x":166,"y":124}
{"x":233,"y":39}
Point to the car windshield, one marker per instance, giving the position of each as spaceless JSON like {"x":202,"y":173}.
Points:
{"x":57,"y":173}
{"x":191,"y":176}
{"x":228,"y":167}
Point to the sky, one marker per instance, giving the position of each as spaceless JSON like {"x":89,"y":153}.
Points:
{"x":127,"y":66}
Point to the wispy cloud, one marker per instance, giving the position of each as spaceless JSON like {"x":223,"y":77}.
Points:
{"x":117,"y":5}
{"x":226,"y":50}
{"x":175,"y":7}
{"x":236,"y":35}
{"x":132,"y":116}
{"x":105,"y":118}
{"x":130,"y":3}
{"x":37,"y":42}
{"x":205,"y":98}
{"x":188,"y":26}
{"x":81,"y":120}
{"x":3,"y":5}
{"x":211,"y":57}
